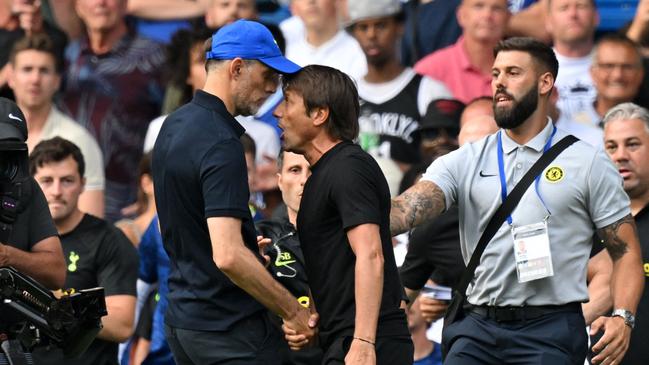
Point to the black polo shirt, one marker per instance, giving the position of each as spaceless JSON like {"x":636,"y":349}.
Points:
{"x":199,"y":171}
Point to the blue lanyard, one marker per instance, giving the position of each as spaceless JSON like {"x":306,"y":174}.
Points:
{"x":501,"y":171}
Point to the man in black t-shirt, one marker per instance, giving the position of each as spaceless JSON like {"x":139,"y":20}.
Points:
{"x":28,"y":240}
{"x":343,"y":224}
{"x":96,"y":252}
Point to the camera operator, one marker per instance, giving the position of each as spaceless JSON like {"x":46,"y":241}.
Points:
{"x":28,"y":238}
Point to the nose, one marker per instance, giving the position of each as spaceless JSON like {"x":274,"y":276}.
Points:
{"x":370,"y":32}
{"x":278,"y":112}
{"x":497,"y":83}
{"x":55,"y":188}
{"x":620,"y":155}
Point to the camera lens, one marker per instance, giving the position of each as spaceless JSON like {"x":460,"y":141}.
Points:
{"x":8,"y":167}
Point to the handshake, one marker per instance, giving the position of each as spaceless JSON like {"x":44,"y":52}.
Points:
{"x":301,"y":330}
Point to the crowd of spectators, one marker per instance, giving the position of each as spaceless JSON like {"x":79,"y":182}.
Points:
{"x":105,"y":73}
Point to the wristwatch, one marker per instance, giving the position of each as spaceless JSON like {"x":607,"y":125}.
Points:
{"x":629,"y":318}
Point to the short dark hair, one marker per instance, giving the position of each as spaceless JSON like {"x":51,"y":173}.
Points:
{"x":178,"y":56}
{"x":37,"y":42}
{"x":56,"y":149}
{"x":541,"y":53}
{"x":326,"y":87}
{"x":620,"y":39}
{"x":280,"y":158}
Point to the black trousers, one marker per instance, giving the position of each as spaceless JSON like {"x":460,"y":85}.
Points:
{"x":389,"y":351}
{"x":253,"y":341}
{"x":553,"y":339}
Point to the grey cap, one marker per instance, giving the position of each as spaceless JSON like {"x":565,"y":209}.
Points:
{"x":366,"y":9}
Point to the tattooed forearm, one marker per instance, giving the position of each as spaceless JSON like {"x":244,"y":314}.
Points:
{"x":423,"y":201}
{"x":610,"y":235}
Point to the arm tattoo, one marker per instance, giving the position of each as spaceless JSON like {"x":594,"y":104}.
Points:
{"x":610,"y":236}
{"x":423,"y":201}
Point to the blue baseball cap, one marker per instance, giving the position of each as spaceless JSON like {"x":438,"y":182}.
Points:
{"x":251,"y":41}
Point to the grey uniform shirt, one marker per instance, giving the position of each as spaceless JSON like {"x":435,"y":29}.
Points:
{"x":588,"y":195}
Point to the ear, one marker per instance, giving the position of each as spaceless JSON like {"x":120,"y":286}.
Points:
{"x":546,"y":83}
{"x":83,"y":184}
{"x":235,"y":67}
{"x":319,"y":116}
{"x":460,"y":15}
{"x":280,"y":183}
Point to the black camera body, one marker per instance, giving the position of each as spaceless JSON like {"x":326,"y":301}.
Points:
{"x":33,"y":316}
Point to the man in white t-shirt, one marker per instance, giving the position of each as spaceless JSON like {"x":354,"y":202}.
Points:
{"x":35,"y":77}
{"x":393,"y":97}
{"x":324,"y":42}
{"x":572,"y":25}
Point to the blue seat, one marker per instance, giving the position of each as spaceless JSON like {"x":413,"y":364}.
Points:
{"x":614,"y":14}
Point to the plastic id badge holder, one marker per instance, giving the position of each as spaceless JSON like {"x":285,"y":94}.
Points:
{"x":532,"y":252}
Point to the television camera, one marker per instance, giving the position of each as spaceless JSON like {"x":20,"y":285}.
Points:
{"x":31,"y":316}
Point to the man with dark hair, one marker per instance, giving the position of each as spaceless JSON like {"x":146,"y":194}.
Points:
{"x":218,"y":287}
{"x":286,"y":258}
{"x":343,"y":224}
{"x":393,"y":98}
{"x":35,"y":77}
{"x":28,"y":239}
{"x":514,"y":311}
{"x":96,"y":252}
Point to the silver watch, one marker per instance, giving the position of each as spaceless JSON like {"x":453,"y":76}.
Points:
{"x":629,"y":318}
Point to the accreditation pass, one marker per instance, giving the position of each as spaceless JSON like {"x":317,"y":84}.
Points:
{"x":532,"y":252}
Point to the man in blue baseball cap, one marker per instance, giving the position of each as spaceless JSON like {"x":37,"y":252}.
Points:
{"x":219,"y":290}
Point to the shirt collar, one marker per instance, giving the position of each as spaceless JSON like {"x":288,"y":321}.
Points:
{"x":212,"y":102}
{"x":537,"y":143}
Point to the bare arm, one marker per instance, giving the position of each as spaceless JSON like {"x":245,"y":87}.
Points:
{"x":92,"y":202}
{"x":45,"y":262}
{"x":422,"y":202}
{"x":640,"y":21}
{"x":600,"y":268}
{"x":167,"y":9}
{"x":365,"y":241}
{"x":119,"y":323}
{"x":627,"y":281}
{"x":530,"y":22}
{"x":66,"y":18}
{"x":240,"y":265}
{"x":621,"y":241}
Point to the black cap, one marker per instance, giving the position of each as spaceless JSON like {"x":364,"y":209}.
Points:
{"x":13,"y":127}
{"x":442,"y":113}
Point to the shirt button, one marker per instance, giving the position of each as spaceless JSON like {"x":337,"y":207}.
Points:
{"x":519,"y":166}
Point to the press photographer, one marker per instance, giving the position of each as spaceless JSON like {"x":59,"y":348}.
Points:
{"x":28,"y":239}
